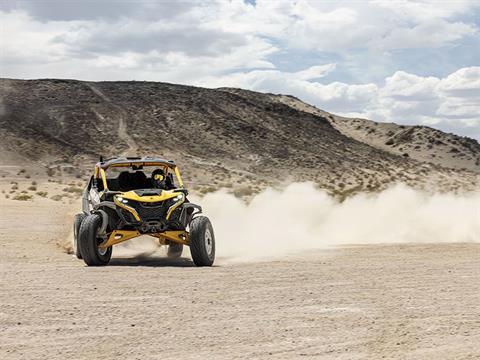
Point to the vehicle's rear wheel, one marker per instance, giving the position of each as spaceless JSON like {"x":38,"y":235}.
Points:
{"x":174,"y":250}
{"x":88,"y":241}
{"x":202,"y":241}
{"x":77,"y":221}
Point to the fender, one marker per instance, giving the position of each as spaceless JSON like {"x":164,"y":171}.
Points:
{"x":104,"y":216}
{"x":188,"y":212}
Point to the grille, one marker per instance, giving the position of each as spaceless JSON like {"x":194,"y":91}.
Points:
{"x":128,"y":216}
{"x":152,"y":211}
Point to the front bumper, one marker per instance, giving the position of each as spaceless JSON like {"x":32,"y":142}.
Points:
{"x":156,"y":217}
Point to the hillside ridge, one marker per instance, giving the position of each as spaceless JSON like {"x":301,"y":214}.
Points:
{"x":232,"y":138}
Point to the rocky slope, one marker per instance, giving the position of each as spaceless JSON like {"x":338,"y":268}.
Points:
{"x":418,"y":142}
{"x":223,"y":137}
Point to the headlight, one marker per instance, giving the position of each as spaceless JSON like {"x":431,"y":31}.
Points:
{"x":122,"y":200}
{"x":178,"y":197}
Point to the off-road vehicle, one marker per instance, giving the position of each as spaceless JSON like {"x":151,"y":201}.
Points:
{"x":130,"y":197}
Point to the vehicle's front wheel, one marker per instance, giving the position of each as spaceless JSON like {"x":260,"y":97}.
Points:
{"x":88,"y":241}
{"x":202,"y":241}
{"x":77,"y":221}
{"x":174,"y":250}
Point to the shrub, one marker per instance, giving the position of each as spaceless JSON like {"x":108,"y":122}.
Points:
{"x":42,"y":193}
{"x":243,"y":191}
{"x":73,"y":189}
{"x":32,"y":188}
{"x":206,"y":190}
{"x":22,"y":197}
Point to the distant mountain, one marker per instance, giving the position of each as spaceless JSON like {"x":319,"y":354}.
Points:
{"x":224,"y":137}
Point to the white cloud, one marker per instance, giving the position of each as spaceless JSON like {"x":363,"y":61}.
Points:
{"x":315,"y":72}
{"x":451,"y":103}
{"x":462,"y":81}
{"x":403,"y":85}
{"x":28,"y":42}
{"x":91,"y":32}
{"x":345,"y":25}
{"x":98,"y":50}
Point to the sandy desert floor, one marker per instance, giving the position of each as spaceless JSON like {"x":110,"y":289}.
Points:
{"x":357,"y":302}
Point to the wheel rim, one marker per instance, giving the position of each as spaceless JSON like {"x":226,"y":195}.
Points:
{"x":208,"y":241}
{"x":101,"y":251}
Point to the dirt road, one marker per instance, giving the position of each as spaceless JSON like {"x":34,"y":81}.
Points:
{"x":405,"y":302}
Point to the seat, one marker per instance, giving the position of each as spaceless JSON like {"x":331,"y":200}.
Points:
{"x":139,"y":180}
{"x":124,"y":183}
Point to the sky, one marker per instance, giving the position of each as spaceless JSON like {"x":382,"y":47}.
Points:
{"x":409,"y":62}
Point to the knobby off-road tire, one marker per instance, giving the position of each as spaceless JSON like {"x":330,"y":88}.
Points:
{"x":77,"y":221}
{"x":88,"y":242}
{"x":202,"y":241}
{"x":174,"y":250}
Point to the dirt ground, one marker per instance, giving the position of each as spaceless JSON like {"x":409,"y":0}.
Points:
{"x":357,"y":302}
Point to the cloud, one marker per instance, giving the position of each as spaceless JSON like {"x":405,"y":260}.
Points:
{"x":346,"y":25}
{"x":173,"y":50}
{"x":314,"y":72}
{"x":68,"y":10}
{"x":451,"y":103}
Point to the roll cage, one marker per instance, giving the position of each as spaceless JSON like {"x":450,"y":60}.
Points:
{"x":168,"y":166}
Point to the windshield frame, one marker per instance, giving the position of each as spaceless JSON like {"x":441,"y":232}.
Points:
{"x":100,"y":171}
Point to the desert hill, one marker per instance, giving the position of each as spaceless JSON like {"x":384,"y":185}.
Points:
{"x":230,"y":138}
{"x":421,"y":143}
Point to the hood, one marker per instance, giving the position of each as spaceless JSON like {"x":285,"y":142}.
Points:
{"x":149,"y":195}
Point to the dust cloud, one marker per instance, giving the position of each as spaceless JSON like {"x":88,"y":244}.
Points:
{"x":300,"y":218}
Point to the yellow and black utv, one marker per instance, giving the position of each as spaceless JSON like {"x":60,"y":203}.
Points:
{"x":129,"y":197}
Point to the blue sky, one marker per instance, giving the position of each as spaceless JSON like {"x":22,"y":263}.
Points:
{"x":411,"y":62}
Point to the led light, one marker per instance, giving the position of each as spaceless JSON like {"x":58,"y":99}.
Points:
{"x":122,"y":200}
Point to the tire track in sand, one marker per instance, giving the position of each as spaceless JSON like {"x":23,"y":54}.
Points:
{"x":122,"y":131}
